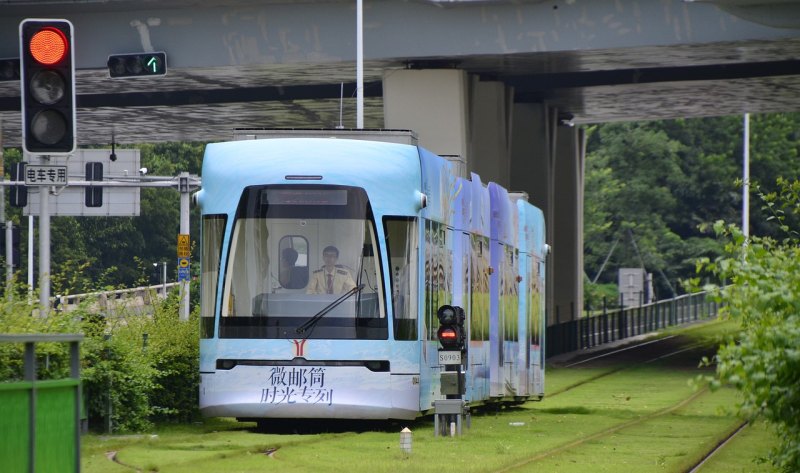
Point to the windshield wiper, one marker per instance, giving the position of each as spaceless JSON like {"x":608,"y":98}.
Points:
{"x":316,"y":317}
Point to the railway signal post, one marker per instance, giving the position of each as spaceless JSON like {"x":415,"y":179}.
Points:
{"x":453,"y":357}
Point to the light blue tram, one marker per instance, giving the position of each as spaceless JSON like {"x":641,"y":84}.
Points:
{"x":353,"y":335}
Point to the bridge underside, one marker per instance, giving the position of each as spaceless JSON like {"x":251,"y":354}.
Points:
{"x":523,"y":73}
{"x":587,"y":87}
{"x":276,"y":63}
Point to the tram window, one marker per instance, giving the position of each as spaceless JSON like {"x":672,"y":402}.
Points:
{"x":402,"y":247}
{"x":260,"y":302}
{"x":438,"y":269}
{"x":213,"y":231}
{"x":293,"y":257}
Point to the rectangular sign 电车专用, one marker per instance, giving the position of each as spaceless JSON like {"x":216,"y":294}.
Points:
{"x":45,"y":175}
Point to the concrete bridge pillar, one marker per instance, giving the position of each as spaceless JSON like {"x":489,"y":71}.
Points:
{"x":532,"y":170}
{"x":523,"y":147}
{"x":568,"y":222}
{"x":454,"y":114}
{"x":490,"y":112}
{"x":547,"y":162}
{"x":433,"y":103}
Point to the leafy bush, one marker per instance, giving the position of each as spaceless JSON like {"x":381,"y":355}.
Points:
{"x":117,"y":382}
{"x":148,"y":365}
{"x":136,"y":369}
{"x":20,"y":316}
{"x":763,"y":362}
{"x":597,"y":295}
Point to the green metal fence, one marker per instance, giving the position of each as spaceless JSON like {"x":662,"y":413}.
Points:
{"x":610,"y":326}
{"x":40,"y":419}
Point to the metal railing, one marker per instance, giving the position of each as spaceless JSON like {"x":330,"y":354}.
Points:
{"x":610,"y":326}
{"x":107,"y":300}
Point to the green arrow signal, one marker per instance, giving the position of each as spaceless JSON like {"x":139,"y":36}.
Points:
{"x":152,"y":64}
{"x":137,"y":64}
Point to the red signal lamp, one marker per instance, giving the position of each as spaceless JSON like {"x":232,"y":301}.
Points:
{"x":47,"y":83}
{"x":447,"y":334}
{"x":48,"y":46}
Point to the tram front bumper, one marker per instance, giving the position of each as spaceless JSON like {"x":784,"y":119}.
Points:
{"x":307,"y":392}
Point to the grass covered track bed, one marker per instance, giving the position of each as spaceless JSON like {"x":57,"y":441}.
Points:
{"x":634,"y":413}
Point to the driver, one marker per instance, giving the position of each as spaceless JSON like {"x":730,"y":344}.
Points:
{"x":332,"y":278}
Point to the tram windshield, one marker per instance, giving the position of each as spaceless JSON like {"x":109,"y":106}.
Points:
{"x":301,"y":253}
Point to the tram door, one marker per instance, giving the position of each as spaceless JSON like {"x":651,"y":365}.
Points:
{"x":538,"y":324}
{"x":524,"y":352}
{"x":497,"y":353}
{"x":438,"y":289}
{"x":402,"y":248}
{"x":509,"y":288}
{"x":479,"y":309}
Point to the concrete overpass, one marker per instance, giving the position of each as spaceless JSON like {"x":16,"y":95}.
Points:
{"x":500,"y":82}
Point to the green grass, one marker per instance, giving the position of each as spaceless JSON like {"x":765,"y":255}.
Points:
{"x":634,"y":419}
{"x":739,"y":455}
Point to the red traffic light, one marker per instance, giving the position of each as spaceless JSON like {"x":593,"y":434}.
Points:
{"x":48,"y":46}
{"x":452,"y":334}
{"x":47,"y":82}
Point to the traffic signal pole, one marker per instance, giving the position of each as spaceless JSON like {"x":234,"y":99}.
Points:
{"x":452,"y":335}
{"x":47,"y":92}
{"x":44,"y":247}
{"x":8,"y":250}
{"x":183,"y":187}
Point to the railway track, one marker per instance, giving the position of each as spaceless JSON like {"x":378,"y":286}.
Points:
{"x":627,"y":358}
{"x":603,"y":434}
{"x":616,"y":361}
{"x":696,"y":468}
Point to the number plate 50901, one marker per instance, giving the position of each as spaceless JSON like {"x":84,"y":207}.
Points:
{"x":450,"y":357}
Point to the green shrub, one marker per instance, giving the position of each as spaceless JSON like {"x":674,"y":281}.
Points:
{"x":763,"y":361}
{"x":117,"y":382}
{"x":136,"y":369}
{"x":145,"y":368}
{"x":20,"y":316}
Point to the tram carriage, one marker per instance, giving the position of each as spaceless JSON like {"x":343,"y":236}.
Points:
{"x":412,"y":235}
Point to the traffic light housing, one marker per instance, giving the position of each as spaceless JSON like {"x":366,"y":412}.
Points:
{"x":452,"y":333}
{"x":137,"y":64}
{"x":9,"y":69}
{"x":47,"y":83}
{"x":18,"y":194}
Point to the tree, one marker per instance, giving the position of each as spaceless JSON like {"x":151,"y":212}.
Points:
{"x":669,"y":181}
{"x":763,"y":294}
{"x":632,"y":171}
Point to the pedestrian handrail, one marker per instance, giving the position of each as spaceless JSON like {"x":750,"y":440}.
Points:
{"x":613,"y":325}
{"x":138,"y":296}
